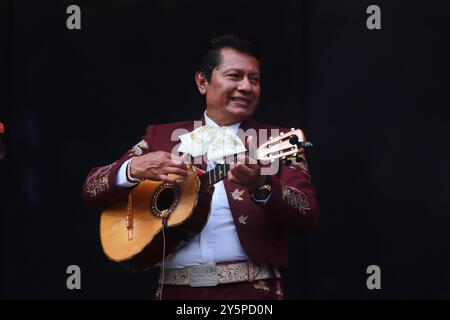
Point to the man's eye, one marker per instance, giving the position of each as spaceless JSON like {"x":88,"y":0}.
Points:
{"x":234,"y":75}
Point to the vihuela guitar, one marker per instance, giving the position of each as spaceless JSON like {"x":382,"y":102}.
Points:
{"x":160,"y":217}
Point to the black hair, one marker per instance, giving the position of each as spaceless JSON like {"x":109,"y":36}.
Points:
{"x":210,"y":56}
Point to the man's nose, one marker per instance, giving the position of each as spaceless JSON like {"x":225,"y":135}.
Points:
{"x":245,"y":85}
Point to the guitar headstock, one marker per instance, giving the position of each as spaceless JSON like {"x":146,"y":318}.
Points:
{"x":286,"y":144}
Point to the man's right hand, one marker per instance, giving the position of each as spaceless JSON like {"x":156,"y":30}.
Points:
{"x":157,"y":165}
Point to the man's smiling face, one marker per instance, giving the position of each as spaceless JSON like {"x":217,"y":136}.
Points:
{"x":232,"y":95}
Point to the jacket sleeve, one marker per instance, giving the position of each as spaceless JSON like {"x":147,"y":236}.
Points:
{"x":293,"y":200}
{"x":100,"y":189}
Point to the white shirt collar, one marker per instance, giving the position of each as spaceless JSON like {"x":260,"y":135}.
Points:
{"x":233,"y":127}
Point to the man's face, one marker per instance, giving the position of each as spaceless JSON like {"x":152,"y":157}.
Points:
{"x":232,"y":95}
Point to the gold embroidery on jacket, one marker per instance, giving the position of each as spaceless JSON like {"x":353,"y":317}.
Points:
{"x":261,"y":285}
{"x":98,"y":182}
{"x":301,"y":163}
{"x":243,"y":219}
{"x":295,"y":198}
{"x":237,"y":194}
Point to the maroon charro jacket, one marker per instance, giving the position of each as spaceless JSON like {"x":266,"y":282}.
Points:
{"x":262,"y":229}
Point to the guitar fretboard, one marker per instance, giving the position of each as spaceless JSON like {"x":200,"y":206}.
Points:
{"x":215,"y":175}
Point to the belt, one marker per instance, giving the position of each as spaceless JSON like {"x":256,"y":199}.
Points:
{"x":208,"y":275}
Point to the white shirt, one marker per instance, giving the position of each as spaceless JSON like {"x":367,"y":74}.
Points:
{"x":218,"y":241}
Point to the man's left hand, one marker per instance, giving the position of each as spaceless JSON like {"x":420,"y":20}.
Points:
{"x":246,"y":172}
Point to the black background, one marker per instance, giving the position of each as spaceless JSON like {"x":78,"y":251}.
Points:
{"x":374,"y":102}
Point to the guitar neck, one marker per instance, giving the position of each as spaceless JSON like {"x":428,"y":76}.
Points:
{"x":286,"y":144}
{"x":215,"y":175}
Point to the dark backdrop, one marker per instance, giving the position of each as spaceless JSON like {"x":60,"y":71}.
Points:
{"x":375,"y":103}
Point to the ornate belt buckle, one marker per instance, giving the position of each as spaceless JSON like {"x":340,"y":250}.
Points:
{"x":203,"y":275}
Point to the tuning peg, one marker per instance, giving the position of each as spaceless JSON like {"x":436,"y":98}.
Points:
{"x":293,"y":139}
{"x":292,"y":129}
{"x":270,"y":138}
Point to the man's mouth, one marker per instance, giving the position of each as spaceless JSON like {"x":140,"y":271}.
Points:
{"x":241,"y":100}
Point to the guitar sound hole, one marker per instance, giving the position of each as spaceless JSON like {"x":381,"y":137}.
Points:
{"x":165,"y":199}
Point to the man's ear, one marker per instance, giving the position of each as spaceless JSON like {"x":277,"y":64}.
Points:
{"x":201,"y":82}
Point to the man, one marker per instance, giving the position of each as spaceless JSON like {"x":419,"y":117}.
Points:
{"x":245,"y":238}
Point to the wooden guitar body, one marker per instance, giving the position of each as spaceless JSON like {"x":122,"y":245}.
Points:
{"x":132,"y":233}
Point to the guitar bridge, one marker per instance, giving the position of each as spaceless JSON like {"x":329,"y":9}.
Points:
{"x":129,"y":223}
{"x":129,"y":218}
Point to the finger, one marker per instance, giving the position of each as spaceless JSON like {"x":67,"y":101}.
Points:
{"x":231,"y":177}
{"x":240,"y":158}
{"x":239,"y":179}
{"x":165,"y":178}
{"x":234,"y":180}
{"x":249,"y":142}
{"x":245,"y":170}
{"x":153,"y":176}
{"x":175,"y":170}
{"x":177,"y":163}
{"x":231,"y":170}
{"x":252,"y":147}
{"x":241,"y":176}
{"x":250,"y":162}
{"x":176,"y":158}
{"x":244,"y":159}
{"x":173,"y":157}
